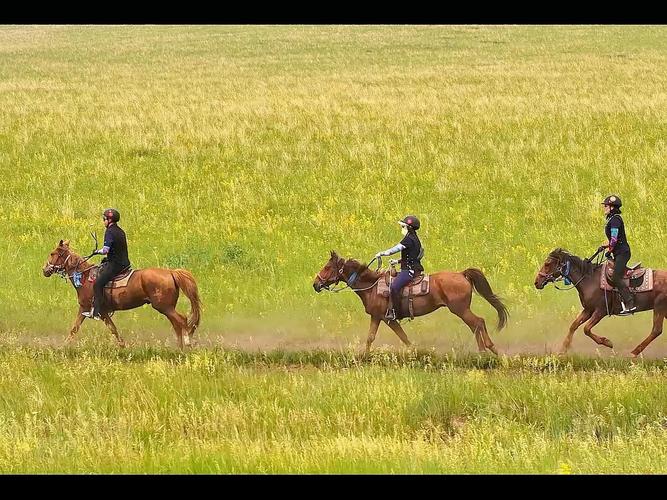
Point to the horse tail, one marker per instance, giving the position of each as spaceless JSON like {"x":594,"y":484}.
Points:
{"x":186,"y":282}
{"x":481,"y":286}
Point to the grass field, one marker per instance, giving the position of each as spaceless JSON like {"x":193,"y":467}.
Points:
{"x":246,"y":153}
{"x":97,"y":409}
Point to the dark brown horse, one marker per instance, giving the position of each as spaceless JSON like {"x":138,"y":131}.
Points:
{"x":155,"y":286}
{"x":447,"y":289}
{"x":586,"y":276}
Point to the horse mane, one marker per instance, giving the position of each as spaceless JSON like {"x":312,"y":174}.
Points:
{"x":76,"y":259}
{"x":363,"y":269}
{"x":583,"y":266}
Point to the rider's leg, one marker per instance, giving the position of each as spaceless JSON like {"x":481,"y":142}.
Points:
{"x":620,"y":263}
{"x":397,"y":284}
{"x":106,"y":274}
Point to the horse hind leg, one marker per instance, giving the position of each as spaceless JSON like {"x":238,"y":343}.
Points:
{"x":180,"y":324}
{"x":658,"y":318}
{"x":478,"y":326}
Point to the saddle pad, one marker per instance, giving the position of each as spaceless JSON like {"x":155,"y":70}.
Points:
{"x":642,"y":280}
{"x":417,"y":287}
{"x":118,"y":282}
{"x":630,"y":272}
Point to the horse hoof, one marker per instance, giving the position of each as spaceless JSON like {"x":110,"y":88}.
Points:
{"x":606,"y":342}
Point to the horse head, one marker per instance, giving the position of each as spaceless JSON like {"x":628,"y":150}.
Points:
{"x":57,"y":259}
{"x":330,"y":274}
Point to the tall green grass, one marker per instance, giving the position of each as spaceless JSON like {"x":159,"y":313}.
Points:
{"x":245,"y":153}
{"x":98,"y":409}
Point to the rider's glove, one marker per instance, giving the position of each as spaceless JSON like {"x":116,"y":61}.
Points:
{"x":608,"y":255}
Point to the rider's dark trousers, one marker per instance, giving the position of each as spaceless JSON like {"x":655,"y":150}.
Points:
{"x":107,"y":272}
{"x":401,"y":279}
{"x":620,"y":263}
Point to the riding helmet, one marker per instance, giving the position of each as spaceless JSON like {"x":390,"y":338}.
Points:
{"x":411,"y":221}
{"x":111,"y":214}
{"x":613,"y":201}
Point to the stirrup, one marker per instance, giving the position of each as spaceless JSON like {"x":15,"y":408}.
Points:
{"x":625,"y":311}
{"x":390,"y":314}
{"x":89,"y":314}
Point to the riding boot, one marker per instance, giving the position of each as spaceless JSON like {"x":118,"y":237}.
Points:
{"x":390,"y":315}
{"x":628,"y":299}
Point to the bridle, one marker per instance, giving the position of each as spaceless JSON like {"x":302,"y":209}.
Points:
{"x":349,"y":282}
{"x":338,"y":275}
{"x":61,"y":271}
{"x":563,"y":269}
{"x":58,"y":269}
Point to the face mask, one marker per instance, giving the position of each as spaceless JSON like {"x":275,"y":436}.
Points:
{"x":404,"y":231}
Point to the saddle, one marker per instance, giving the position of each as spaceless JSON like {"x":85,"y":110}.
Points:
{"x":420,"y":285}
{"x":637,"y":278}
{"x":118,"y":281}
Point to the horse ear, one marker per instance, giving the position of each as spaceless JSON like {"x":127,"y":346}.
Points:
{"x":334,"y":255}
{"x":61,"y":243}
{"x":66,"y":243}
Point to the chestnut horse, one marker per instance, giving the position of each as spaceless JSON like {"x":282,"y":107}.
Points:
{"x":586,"y":278}
{"x":155,"y":286}
{"x":447,"y":289}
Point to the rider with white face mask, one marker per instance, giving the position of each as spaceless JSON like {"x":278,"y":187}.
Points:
{"x":411,"y":254}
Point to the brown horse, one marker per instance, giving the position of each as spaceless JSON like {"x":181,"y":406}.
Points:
{"x":155,"y":286}
{"x":447,"y":289}
{"x":586,"y":278}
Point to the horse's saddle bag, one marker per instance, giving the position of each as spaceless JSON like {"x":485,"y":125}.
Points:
{"x":420,"y":285}
{"x":637,"y":278}
{"x":118,"y":281}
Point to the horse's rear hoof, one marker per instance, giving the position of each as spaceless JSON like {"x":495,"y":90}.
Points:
{"x":606,"y":342}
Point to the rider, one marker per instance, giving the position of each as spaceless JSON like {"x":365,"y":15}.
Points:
{"x":115,"y":249}
{"x":618,"y":248}
{"x":411,"y":254}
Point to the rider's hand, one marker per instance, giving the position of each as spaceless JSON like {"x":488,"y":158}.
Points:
{"x":601,"y":247}
{"x":608,"y":255}
{"x":379,"y":254}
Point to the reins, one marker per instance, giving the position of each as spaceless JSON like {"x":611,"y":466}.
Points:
{"x":61,"y":270}
{"x":565,"y":273}
{"x":349,"y":282}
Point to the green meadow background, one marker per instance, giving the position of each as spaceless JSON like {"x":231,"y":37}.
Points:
{"x":245,"y":154}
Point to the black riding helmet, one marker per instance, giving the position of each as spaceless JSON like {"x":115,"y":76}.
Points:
{"x":613,"y":201}
{"x":411,"y":221}
{"x":112,"y":214}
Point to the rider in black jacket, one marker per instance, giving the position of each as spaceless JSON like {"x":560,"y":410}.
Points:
{"x":619,"y":249}
{"x":115,"y":249}
{"x":411,"y":254}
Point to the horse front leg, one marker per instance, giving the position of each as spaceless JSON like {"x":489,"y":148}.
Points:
{"x":77,"y":324}
{"x":578,"y":321}
{"x":588,"y":329}
{"x":398,"y":329}
{"x":372,"y":331}
{"x":110,"y":324}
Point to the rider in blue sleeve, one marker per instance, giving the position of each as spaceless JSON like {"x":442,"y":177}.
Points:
{"x":619,"y":249}
{"x":411,"y":254}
